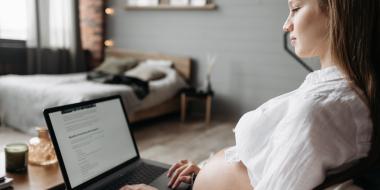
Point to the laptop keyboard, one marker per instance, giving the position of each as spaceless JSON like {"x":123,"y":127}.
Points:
{"x":143,"y":173}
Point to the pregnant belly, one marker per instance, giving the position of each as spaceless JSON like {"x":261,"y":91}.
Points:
{"x":222,"y":175}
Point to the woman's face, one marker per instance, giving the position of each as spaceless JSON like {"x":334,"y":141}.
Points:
{"x":308,"y":27}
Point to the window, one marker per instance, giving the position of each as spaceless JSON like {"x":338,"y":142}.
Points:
{"x":13,"y":19}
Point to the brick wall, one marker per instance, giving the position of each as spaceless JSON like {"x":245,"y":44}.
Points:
{"x":91,"y":15}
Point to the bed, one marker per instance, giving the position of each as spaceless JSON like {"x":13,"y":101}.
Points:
{"x":24,"y":97}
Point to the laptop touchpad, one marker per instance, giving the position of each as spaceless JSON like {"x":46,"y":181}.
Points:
{"x":162,"y":183}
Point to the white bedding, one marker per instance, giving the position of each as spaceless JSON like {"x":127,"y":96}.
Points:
{"x":23,"y":98}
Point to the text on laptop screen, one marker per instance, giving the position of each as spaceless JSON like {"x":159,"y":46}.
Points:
{"x":92,"y":139}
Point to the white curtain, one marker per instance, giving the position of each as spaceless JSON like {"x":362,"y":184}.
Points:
{"x":53,"y":36}
{"x":12,"y":19}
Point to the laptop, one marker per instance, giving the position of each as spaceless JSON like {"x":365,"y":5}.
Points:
{"x":96,"y":149}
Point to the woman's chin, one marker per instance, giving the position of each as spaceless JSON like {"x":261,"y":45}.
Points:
{"x":301,"y":53}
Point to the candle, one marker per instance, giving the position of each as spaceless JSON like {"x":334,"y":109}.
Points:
{"x":16,"y":157}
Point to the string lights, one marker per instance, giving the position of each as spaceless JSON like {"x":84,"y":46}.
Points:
{"x":109,"y":12}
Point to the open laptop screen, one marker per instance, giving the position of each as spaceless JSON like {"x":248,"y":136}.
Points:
{"x":92,"y":138}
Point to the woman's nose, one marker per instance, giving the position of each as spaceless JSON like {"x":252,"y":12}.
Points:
{"x":288,"y":25}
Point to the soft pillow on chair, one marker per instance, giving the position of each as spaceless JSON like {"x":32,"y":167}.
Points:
{"x":113,"y":65}
{"x":146,"y":72}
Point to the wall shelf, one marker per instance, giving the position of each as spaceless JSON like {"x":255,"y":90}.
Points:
{"x":210,"y":6}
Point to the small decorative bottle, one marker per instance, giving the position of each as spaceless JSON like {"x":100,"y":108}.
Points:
{"x":211,"y":59}
{"x":41,"y":149}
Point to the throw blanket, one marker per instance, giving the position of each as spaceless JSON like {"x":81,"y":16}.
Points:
{"x":140,"y":87}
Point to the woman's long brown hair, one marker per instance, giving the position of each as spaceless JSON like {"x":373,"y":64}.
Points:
{"x":355,"y":46}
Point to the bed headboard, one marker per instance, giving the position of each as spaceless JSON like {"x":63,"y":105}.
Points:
{"x":181,"y":64}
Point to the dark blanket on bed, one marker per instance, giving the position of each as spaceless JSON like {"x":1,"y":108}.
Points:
{"x":140,"y":87}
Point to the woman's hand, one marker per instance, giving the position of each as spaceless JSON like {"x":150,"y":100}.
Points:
{"x":182,"y":171}
{"x":138,"y":187}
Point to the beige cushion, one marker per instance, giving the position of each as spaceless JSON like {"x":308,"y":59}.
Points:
{"x":113,"y":65}
{"x":146,"y":73}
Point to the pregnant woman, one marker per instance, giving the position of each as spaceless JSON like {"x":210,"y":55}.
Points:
{"x":322,"y":134}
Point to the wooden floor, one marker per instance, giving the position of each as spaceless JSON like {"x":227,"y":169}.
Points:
{"x":169,"y":140}
{"x":166,"y":139}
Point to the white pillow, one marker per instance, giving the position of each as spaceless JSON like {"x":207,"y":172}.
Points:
{"x":158,"y":63}
{"x":146,"y":72}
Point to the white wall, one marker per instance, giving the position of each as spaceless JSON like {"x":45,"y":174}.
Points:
{"x":246,"y":35}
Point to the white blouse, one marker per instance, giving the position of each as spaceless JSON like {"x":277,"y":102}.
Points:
{"x":292,"y":141}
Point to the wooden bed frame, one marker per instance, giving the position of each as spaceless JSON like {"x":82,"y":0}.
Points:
{"x":181,"y":64}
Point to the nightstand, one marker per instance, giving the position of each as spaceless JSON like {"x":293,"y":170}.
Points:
{"x":192,"y":94}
